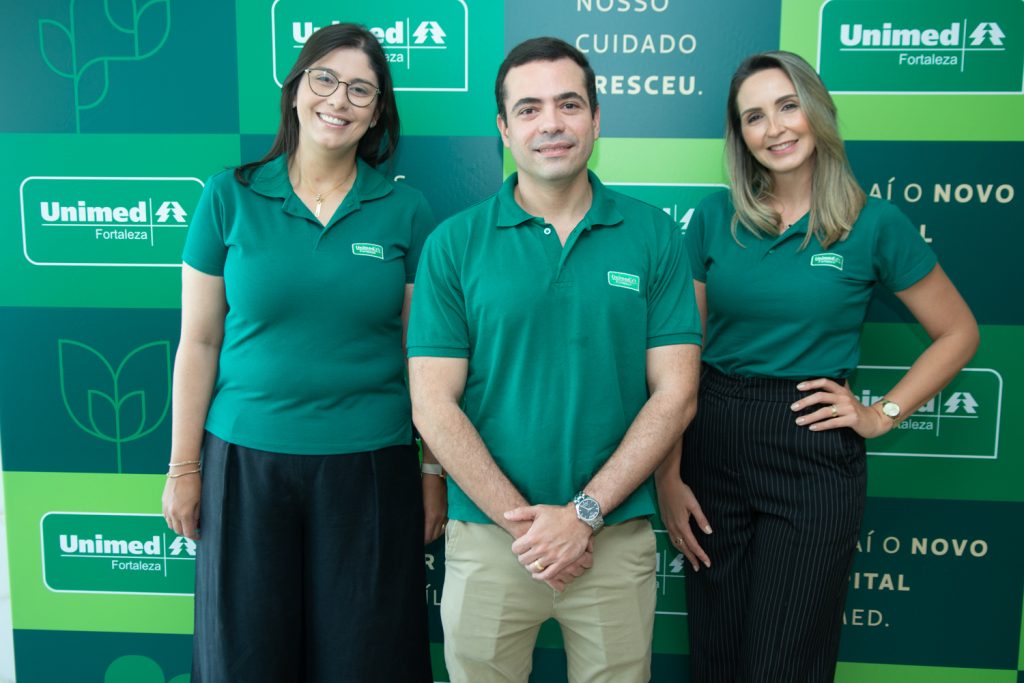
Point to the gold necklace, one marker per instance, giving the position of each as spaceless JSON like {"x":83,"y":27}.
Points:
{"x":320,"y":196}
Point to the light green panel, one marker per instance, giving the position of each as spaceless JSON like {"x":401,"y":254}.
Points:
{"x":114,"y":168}
{"x":466,"y":112}
{"x":855,"y":672}
{"x":653,"y":160}
{"x":31,"y":495}
{"x":968,"y":118}
{"x":1020,"y":656}
{"x":649,"y":160}
{"x":990,"y":478}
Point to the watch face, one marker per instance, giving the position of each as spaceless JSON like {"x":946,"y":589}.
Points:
{"x":588,"y":509}
{"x":890,"y":409}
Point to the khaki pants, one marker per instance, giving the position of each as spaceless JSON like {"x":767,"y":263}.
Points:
{"x":492,"y":609}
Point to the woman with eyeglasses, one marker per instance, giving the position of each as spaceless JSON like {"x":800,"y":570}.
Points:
{"x":785,"y":265}
{"x":291,"y":432}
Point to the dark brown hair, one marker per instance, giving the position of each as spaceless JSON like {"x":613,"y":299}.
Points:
{"x":380,"y":141}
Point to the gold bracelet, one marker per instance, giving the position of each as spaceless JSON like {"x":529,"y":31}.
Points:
{"x":183,"y":463}
{"x":175,"y":476}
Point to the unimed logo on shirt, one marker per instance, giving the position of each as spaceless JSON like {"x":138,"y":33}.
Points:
{"x":962,"y":421}
{"x":368,"y":249}
{"x":115,"y":553}
{"x":828,"y":260}
{"x":922,"y":46}
{"x":624,"y":280}
{"x":93,"y":221}
{"x":426,"y":43}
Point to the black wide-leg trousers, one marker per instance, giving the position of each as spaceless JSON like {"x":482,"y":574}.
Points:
{"x":310,"y":568}
{"x":785,"y":504}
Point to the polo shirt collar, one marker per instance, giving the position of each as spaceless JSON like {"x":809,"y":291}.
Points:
{"x":602,"y":211}
{"x":271,"y":180}
{"x":796,"y":230}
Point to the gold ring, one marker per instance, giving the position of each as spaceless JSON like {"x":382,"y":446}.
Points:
{"x":835,"y":411}
{"x":679,"y":541}
{"x":537,"y":566}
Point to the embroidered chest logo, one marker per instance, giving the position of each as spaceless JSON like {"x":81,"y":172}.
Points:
{"x":624,"y":280}
{"x":367,"y":249}
{"x":828,"y":259}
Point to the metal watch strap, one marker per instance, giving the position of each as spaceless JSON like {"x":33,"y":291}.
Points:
{"x":581,"y":499}
{"x":884,"y":403}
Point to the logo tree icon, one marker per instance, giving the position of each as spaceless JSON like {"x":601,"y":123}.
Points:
{"x":127,"y":405}
{"x":64,"y":53}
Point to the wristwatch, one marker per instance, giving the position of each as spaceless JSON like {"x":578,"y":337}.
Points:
{"x":588,"y":511}
{"x":432,"y":468}
{"x":890,"y":409}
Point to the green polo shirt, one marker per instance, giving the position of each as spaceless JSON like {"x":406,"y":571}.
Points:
{"x":312,"y":360}
{"x":556,"y":336}
{"x":777,"y":310}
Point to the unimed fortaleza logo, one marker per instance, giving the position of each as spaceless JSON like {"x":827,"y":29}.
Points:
{"x":91,"y":221}
{"x":922,"y":46}
{"x":962,"y":421}
{"x":115,"y":553}
{"x":671,"y":574}
{"x":426,"y":43}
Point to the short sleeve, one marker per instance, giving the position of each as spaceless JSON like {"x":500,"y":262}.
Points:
{"x":437,"y":323}
{"x":695,"y":236}
{"x":205,"y":248}
{"x":423,"y":223}
{"x":672,"y":315}
{"x":901,"y":256}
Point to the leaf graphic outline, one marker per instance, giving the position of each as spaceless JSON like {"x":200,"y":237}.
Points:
{"x":167,"y":27}
{"x":63,"y":345}
{"x":75,"y":73}
{"x":113,"y":22}
{"x":161,"y":350}
{"x":93,"y":394}
{"x":137,"y":434}
{"x":43,"y":51}
{"x":104,"y":62}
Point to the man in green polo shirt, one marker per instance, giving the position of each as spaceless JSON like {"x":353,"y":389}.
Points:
{"x":553,"y":347}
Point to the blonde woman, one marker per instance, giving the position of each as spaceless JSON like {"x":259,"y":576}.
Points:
{"x":785,"y":266}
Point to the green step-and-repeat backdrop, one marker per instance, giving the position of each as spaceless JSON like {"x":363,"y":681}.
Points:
{"x":119,"y":110}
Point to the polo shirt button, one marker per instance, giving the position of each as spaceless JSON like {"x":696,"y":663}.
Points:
{"x":547,"y":231}
{"x":771,"y":251}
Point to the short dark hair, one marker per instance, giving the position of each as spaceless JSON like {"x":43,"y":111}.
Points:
{"x":379,"y":142}
{"x":544,"y":49}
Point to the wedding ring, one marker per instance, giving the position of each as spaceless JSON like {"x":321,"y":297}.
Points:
{"x":537,"y":567}
{"x":835,"y":411}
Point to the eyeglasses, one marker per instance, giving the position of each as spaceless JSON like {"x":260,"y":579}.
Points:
{"x":324,"y":83}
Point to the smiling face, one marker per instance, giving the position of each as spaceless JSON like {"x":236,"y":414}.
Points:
{"x":773,"y":124}
{"x":332,"y":123}
{"x":551,"y":128}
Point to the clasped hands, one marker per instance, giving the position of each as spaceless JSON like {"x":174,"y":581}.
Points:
{"x":552,"y":543}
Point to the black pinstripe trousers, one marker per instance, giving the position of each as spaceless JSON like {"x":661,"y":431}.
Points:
{"x":786,"y":506}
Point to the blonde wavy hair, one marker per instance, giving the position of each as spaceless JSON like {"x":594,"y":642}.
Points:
{"x":836,"y":198}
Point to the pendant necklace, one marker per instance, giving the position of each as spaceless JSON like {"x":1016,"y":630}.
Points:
{"x":319,"y":197}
